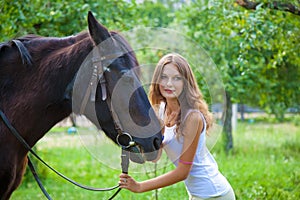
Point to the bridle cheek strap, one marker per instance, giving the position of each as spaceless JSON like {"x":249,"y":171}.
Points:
{"x":103,"y":88}
{"x":92,"y":87}
{"x":98,"y":77}
{"x":98,"y":69}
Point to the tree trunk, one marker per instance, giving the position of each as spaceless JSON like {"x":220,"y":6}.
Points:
{"x":227,"y":130}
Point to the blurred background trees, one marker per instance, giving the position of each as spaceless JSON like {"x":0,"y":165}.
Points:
{"x":256,"y":49}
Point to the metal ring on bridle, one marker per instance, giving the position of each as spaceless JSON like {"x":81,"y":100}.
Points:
{"x":125,"y":137}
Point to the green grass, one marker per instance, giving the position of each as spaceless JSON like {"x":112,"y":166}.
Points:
{"x":265,"y":164}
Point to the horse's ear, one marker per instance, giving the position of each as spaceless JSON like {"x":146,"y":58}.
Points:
{"x":98,"y":32}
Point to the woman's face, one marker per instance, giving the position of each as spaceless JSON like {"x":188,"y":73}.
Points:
{"x":171,"y":82}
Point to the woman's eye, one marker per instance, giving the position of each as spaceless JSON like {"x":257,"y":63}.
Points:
{"x":177,"y":78}
{"x":163,"y":77}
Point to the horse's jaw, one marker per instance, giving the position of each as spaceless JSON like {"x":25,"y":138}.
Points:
{"x":134,"y":157}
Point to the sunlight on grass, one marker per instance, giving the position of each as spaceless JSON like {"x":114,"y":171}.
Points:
{"x":263,"y":165}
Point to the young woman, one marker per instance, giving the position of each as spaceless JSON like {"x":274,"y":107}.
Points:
{"x":186,"y":120}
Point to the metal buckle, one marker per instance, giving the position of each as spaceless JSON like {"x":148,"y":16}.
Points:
{"x":124,"y":137}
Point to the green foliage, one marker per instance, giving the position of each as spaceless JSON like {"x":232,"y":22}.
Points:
{"x":63,"y":18}
{"x":52,"y":18}
{"x":296,"y":120}
{"x":257,"y":52}
{"x":152,"y":14}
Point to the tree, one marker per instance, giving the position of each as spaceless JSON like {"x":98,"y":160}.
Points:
{"x":62,"y":18}
{"x":254,"y":51}
{"x":281,"y":56}
{"x":283,"y":6}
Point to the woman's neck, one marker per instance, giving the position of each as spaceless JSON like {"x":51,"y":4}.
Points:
{"x":171,"y":113}
{"x":172,"y":106}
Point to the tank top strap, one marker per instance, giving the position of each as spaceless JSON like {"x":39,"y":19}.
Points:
{"x":198,"y":111}
{"x":161,"y":113}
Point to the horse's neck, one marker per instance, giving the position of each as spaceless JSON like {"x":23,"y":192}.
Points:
{"x":70,"y":51}
{"x":77,"y":52}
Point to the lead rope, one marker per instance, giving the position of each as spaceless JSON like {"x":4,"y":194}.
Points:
{"x":19,"y":137}
{"x":124,"y":165}
{"x":37,"y":179}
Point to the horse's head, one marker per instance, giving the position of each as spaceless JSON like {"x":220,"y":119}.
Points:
{"x":36,"y":76}
{"x":36,"y":72}
{"x":120,"y":102}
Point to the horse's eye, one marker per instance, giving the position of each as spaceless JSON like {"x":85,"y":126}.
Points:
{"x":123,"y":72}
{"x":127,"y":78}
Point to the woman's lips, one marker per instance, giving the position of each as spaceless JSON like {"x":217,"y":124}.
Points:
{"x":169,"y":91}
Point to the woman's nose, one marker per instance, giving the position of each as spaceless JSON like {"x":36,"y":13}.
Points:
{"x":169,"y":82}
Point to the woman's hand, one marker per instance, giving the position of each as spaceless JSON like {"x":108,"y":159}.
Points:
{"x":129,"y":183}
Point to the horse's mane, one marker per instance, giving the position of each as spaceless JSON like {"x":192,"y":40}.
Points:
{"x":23,"y":51}
{"x":34,"y":45}
{"x":25,"y":55}
{"x":82,"y":41}
{"x":63,"y":48}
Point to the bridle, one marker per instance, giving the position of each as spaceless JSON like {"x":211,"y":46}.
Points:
{"x":97,"y":77}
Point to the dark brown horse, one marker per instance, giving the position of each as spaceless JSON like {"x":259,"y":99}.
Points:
{"x":38,"y":77}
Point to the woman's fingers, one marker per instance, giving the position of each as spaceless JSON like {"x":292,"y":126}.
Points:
{"x":124,"y":175}
{"x":129,"y":183}
{"x":123,"y":180}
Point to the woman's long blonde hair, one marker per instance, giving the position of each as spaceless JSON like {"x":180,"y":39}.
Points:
{"x":191,"y":96}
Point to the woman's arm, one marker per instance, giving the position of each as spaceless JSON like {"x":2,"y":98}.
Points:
{"x":174,"y":176}
{"x":192,"y":131}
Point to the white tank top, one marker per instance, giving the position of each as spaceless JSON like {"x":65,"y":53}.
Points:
{"x":204,"y":179}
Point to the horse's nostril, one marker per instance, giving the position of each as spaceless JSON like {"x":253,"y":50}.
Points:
{"x":156,"y":143}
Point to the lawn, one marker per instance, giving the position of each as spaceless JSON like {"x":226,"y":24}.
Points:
{"x":265,"y":164}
